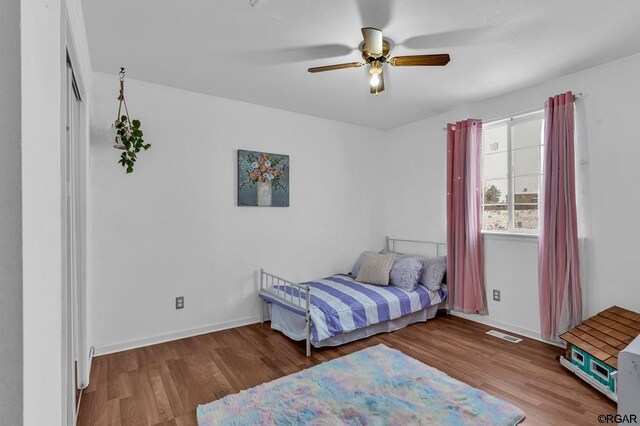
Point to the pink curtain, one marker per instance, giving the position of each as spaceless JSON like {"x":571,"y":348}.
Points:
{"x":558,"y":260}
{"x":465,"y":264}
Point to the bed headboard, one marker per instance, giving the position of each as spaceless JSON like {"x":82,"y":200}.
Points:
{"x":425,"y":248}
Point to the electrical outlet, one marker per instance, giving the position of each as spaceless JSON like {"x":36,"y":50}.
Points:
{"x":180,"y":302}
{"x":496,"y":295}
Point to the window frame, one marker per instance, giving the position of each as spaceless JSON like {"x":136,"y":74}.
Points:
{"x":537,"y":114}
{"x":593,"y":367}
{"x":577,"y":356}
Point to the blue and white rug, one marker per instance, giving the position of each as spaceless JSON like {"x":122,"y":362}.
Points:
{"x":375,"y":386}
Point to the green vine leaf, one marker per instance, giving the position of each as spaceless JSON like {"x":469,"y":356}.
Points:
{"x":130,"y":136}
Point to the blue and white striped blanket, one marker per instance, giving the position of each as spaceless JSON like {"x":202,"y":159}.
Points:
{"x":340,"y":304}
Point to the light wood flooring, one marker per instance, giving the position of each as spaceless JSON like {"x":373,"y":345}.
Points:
{"x":163,"y":384}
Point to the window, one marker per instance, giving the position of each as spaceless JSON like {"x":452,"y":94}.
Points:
{"x":599,"y":370}
{"x":577,"y":356}
{"x":511,"y":154}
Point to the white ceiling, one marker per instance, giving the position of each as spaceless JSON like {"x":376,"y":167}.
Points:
{"x":260,"y":54}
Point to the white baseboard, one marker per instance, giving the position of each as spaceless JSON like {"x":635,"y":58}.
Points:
{"x":138,"y":343}
{"x":153,"y":340}
{"x":87,"y":372}
{"x":531,"y":334}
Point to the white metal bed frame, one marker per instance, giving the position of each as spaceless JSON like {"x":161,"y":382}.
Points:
{"x":440,"y":247}
{"x":276,"y":287}
{"x":282,"y":289}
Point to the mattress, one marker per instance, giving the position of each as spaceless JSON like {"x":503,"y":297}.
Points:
{"x":341,"y":305}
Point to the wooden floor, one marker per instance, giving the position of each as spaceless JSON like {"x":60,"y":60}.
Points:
{"x":163,"y":384}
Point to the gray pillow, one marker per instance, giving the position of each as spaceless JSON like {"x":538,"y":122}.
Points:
{"x":356,"y":266}
{"x":375,"y":269}
{"x":433,"y":272}
{"x":406,"y":273}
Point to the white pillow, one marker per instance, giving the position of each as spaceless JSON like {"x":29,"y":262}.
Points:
{"x":358,"y":264}
{"x":376,"y":268}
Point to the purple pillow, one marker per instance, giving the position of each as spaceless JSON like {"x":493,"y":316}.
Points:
{"x":406,"y":273}
{"x":434,"y":271}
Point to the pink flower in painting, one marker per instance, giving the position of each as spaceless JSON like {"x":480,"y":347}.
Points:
{"x":259,"y":168}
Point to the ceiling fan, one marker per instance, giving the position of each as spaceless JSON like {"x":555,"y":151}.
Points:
{"x":375,"y":52}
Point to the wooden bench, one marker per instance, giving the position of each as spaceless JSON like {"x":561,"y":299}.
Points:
{"x":594,"y":344}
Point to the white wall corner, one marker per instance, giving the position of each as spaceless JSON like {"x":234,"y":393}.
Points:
{"x":78,"y":49}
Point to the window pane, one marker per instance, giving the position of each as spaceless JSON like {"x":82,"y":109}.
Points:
{"x":525,"y":216}
{"x":526,"y":189}
{"x":526,"y":161}
{"x":494,"y":139}
{"x":526,"y":133}
{"x":495,"y":191}
{"x":495,"y":217}
{"x":495,"y":165}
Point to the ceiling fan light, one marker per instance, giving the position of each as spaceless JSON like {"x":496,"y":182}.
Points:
{"x":375,"y":80}
{"x":375,"y":69}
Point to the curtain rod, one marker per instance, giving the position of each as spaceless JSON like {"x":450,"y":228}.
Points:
{"x":521,"y":113}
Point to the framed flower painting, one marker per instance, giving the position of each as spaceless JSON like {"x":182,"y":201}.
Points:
{"x":263,"y":179}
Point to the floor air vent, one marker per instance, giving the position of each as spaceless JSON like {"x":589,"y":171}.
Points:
{"x":503,"y":336}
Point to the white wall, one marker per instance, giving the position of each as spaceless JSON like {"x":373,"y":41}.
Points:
{"x":10,"y":217}
{"x":172,"y":228}
{"x":184,"y":236}
{"x":43,"y":60}
{"x":608,"y":152}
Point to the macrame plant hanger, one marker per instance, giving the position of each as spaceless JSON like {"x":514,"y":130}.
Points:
{"x":123,"y":101}
{"x":129,"y":135}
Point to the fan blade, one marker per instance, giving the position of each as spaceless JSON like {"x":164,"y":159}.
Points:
{"x":380,"y":87}
{"x":420,"y":60}
{"x":375,"y":12}
{"x":445,"y":39}
{"x":336,"y":67}
{"x":290,"y":54}
{"x":372,"y":41}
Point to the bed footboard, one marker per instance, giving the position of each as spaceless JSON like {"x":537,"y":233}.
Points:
{"x":283,"y":290}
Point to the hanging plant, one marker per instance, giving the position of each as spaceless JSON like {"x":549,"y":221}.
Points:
{"x":128,"y":136}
